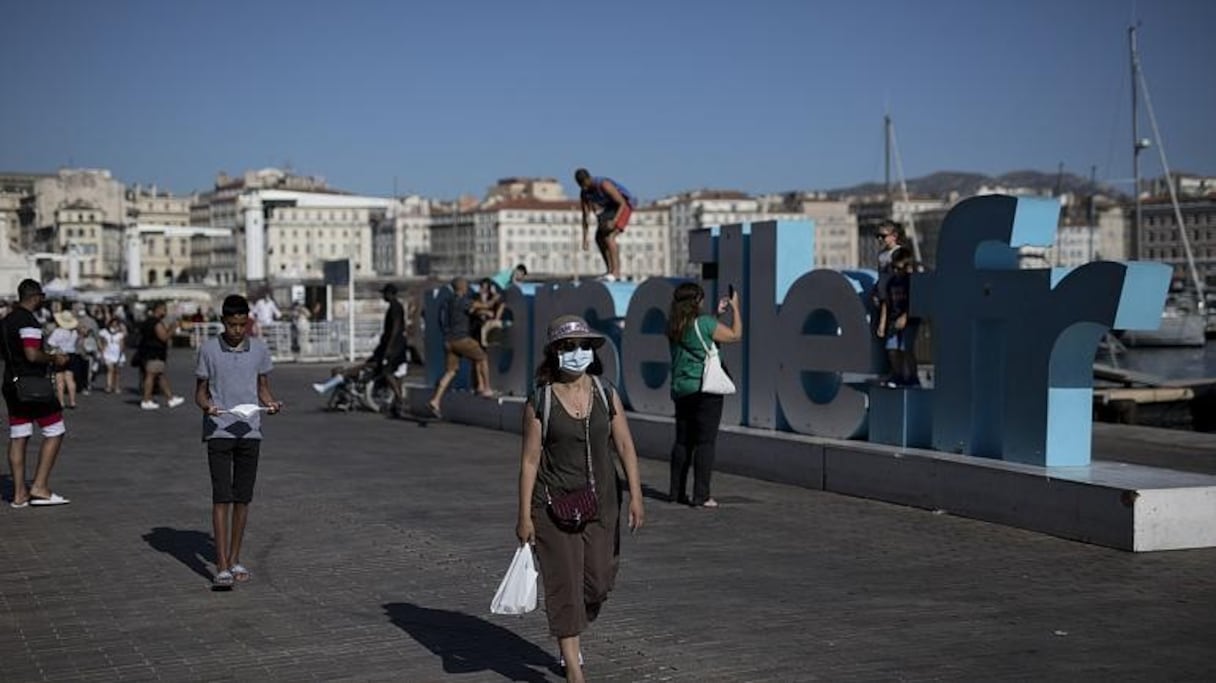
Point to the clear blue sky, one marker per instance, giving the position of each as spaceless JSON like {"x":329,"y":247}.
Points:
{"x":448,"y":95}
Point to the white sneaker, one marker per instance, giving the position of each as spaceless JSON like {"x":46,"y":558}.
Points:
{"x":320,"y":388}
{"x":607,"y":277}
{"x":149,"y":405}
{"x":176,"y":401}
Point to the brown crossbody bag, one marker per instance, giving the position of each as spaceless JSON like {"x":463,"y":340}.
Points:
{"x":574,"y":509}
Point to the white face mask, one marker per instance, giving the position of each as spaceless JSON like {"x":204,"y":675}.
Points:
{"x":575,"y":361}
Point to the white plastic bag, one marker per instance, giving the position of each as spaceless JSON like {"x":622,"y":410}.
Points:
{"x":517,"y":592}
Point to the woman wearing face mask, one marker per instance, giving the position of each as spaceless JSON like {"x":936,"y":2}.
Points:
{"x":570,"y":425}
{"x":698,"y":414}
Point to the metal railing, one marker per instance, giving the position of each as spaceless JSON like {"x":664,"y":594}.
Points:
{"x":320,"y":341}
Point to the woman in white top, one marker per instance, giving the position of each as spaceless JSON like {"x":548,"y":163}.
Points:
{"x":113,"y":339}
{"x":63,"y":340}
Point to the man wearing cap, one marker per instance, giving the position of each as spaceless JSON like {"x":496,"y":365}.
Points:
{"x":458,"y":342}
{"x":21,"y":345}
{"x":389,"y":357}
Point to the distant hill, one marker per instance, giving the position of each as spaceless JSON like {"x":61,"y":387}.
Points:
{"x":943,"y":183}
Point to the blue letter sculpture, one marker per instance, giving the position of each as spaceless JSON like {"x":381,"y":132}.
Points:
{"x":1013,"y":349}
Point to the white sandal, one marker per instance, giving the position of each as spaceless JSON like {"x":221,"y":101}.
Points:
{"x":222,"y":581}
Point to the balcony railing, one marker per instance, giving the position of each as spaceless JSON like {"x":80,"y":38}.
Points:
{"x":319,"y":341}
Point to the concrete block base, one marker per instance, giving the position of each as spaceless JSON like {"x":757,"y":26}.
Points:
{"x":901,"y":416}
{"x":1130,"y":507}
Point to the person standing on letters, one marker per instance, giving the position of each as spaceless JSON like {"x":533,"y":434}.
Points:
{"x":895,"y":327}
{"x":612,"y":205}
{"x":233,"y":369}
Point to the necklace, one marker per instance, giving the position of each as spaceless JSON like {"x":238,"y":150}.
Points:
{"x":568,"y":395}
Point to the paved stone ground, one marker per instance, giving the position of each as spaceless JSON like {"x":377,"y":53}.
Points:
{"x":376,"y":546}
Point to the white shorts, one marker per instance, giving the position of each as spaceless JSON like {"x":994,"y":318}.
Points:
{"x":24,"y":430}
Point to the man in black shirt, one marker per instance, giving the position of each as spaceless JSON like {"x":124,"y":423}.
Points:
{"x":389,"y":356}
{"x":24,"y":357}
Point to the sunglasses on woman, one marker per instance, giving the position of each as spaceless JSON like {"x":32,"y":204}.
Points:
{"x":568,"y":345}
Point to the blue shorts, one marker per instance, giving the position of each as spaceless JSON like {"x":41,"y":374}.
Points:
{"x":905,"y":339}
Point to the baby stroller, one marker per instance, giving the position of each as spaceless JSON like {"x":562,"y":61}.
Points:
{"x":364,"y":389}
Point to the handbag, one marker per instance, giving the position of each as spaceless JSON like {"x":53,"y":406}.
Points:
{"x":35,"y":389}
{"x":517,"y":592}
{"x":574,"y":509}
{"x":29,"y":388}
{"x":714,"y":379}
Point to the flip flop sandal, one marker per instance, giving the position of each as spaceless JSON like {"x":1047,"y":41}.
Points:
{"x":53,"y":499}
{"x":18,"y":506}
{"x":222,"y":581}
{"x":239,"y":573}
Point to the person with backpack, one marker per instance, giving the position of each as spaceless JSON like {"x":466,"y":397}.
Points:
{"x":569,"y":496}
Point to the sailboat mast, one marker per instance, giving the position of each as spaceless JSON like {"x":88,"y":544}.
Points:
{"x":886,"y":148}
{"x":1137,"y":143}
{"x":909,"y":217}
{"x":1141,"y":82}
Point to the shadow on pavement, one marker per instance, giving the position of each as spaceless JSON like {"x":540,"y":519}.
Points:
{"x":652,"y":493}
{"x":194,"y":549}
{"x":468,"y":644}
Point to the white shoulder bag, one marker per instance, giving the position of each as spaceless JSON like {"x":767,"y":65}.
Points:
{"x":714,"y":379}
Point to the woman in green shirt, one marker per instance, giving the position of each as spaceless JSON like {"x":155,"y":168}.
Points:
{"x":698,"y":414}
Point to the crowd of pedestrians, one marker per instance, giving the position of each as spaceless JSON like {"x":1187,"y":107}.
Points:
{"x":574,"y":434}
